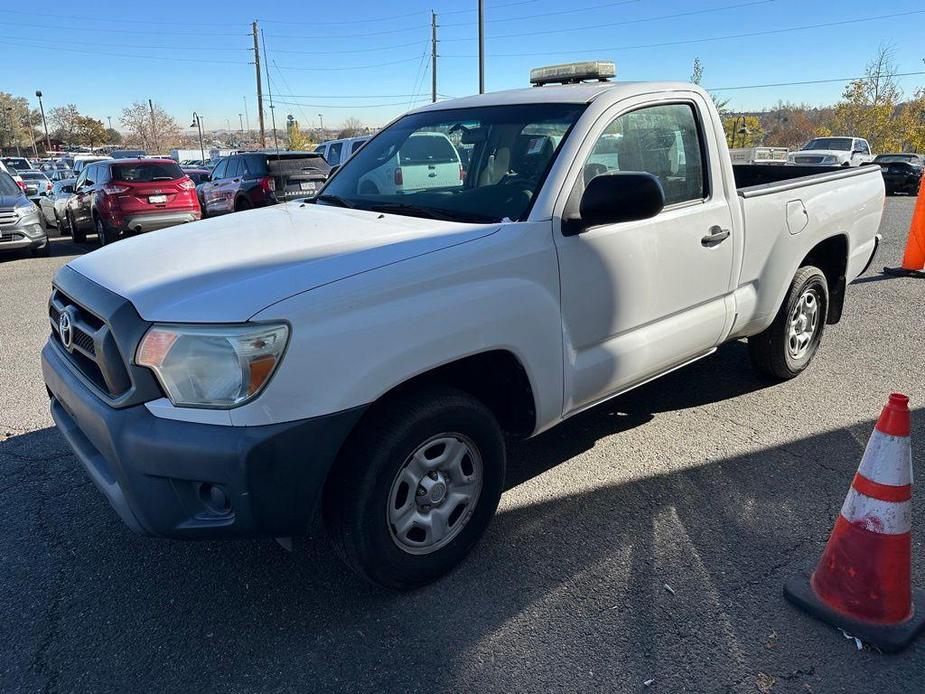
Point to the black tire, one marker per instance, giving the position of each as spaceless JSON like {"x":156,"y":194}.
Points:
{"x":78,"y":234}
{"x":104,"y":235}
{"x":242,"y":204}
{"x":771,"y":350}
{"x":357,"y":497}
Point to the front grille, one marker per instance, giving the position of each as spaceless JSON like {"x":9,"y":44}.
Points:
{"x":808,"y":160}
{"x":9,"y":236}
{"x":8,"y":217}
{"x":92,"y":349}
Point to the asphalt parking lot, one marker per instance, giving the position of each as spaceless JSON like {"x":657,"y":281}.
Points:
{"x":647,"y":539}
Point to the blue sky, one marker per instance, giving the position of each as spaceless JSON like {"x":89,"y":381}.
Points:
{"x":372,"y":62}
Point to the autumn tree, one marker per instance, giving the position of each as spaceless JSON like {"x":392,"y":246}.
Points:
{"x":64,"y":122}
{"x":743,"y":131}
{"x":911,"y":123}
{"x":113,"y":136}
{"x":90,"y":131}
{"x":868,"y":105}
{"x":14,"y":123}
{"x":793,"y":125}
{"x":149,"y":126}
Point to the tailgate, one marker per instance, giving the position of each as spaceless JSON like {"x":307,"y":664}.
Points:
{"x":299,"y":177}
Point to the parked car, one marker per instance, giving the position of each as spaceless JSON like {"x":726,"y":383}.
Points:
{"x":365,"y":355}
{"x":20,"y":224}
{"x":121,"y":195}
{"x":36,"y":183}
{"x":197,"y":174}
{"x":14,"y":174}
{"x":81,"y":161}
{"x":53,"y":204}
{"x":336,"y":152}
{"x":425,"y":160}
{"x":17,"y":163}
{"x":902,"y":173}
{"x":833,"y":151}
{"x":256,"y":179}
{"x":59,"y":174}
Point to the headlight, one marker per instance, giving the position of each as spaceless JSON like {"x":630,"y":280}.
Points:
{"x":830,"y":159}
{"x":24,"y":210}
{"x":212,"y":366}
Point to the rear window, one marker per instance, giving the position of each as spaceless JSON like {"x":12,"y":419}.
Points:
{"x":29,"y":176}
{"x":147,"y":172}
{"x":428,"y":149}
{"x":8,"y":185}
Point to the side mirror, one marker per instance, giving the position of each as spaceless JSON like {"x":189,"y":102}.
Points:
{"x":333,"y":170}
{"x":613,"y":198}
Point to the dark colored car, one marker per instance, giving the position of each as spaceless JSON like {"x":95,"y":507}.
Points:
{"x":902,"y":173}
{"x":121,"y":195}
{"x":17,"y":163}
{"x":20,"y":224}
{"x":256,"y":179}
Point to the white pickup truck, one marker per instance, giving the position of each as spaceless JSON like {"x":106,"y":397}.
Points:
{"x":364,"y":354}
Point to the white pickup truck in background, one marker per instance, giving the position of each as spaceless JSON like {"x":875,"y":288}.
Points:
{"x":833,"y":151}
{"x":367,"y":351}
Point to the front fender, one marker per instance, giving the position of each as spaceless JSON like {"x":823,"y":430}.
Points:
{"x":355,"y":339}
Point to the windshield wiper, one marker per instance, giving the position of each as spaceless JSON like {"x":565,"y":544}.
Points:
{"x":335,"y":200}
{"x":432,"y":212}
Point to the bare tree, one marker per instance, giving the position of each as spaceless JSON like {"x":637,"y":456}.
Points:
{"x":351,"y":128}
{"x":64,"y":120}
{"x":149,"y":126}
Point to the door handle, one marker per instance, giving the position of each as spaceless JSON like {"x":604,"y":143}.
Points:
{"x":717,"y":235}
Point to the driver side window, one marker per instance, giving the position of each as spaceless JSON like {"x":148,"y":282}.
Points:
{"x":661,"y":140}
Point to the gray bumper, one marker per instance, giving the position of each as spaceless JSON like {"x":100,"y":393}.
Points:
{"x":151,"y":222}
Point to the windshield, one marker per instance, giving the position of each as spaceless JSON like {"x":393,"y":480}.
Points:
{"x":475,"y":164}
{"x":8,"y":185}
{"x":839,"y":143}
{"x":18,"y":163}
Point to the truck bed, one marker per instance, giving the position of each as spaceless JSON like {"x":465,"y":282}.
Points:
{"x":761,"y":179}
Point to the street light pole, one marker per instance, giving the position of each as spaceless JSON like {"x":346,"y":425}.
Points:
{"x":38,"y":93}
{"x":481,"y":46}
{"x":197,"y":123}
{"x":321,"y":120}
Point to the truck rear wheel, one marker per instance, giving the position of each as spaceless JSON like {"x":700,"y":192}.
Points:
{"x":789,"y":344}
{"x":416,"y":487}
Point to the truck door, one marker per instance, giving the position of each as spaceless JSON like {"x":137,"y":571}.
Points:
{"x":641,"y":297}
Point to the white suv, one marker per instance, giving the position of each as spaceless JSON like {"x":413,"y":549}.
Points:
{"x":336,"y":152}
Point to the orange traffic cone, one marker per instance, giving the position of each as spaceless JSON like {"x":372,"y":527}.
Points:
{"x":863,"y":581}
{"x":914,"y":258}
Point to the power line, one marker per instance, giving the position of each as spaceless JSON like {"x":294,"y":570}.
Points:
{"x":663,"y":44}
{"x":825,"y":81}
{"x":339,"y":106}
{"x":57,"y":42}
{"x":7,"y":42}
{"x":352,"y":50}
{"x":352,"y":67}
{"x":96,"y":19}
{"x":367,"y":20}
{"x":573,"y":10}
{"x":106,"y":30}
{"x":600,"y":25}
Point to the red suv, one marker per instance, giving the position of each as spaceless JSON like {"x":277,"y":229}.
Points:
{"x":119,"y":195}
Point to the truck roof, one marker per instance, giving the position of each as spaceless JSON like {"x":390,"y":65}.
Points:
{"x":582,"y":93}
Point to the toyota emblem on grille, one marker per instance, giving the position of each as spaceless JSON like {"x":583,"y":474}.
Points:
{"x":65,"y":331}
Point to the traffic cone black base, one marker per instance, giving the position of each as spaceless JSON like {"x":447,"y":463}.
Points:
{"x":889,"y":638}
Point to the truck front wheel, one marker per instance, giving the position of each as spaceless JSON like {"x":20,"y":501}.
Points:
{"x":415,"y":487}
{"x":787,"y":346}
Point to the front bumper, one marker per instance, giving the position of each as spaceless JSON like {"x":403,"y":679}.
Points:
{"x":187,"y":480}
{"x":151,"y":221}
{"x":15,"y":238}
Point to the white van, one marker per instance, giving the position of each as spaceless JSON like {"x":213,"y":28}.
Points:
{"x":425,"y":160}
{"x":336,"y":152}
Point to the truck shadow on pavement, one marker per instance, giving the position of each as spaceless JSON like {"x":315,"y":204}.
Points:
{"x":672,"y":574}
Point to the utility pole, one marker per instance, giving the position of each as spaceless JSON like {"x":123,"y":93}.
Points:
{"x":266,"y":65}
{"x":241,"y":121}
{"x":38,"y":93}
{"x":321,"y":121}
{"x":263,"y":134}
{"x":433,"y":56}
{"x":247,"y":116}
{"x":153,"y":126}
{"x":481,"y":46}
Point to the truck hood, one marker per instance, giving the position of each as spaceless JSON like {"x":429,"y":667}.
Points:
{"x":228,"y":268}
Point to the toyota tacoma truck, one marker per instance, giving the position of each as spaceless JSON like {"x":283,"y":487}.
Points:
{"x":366,"y":355}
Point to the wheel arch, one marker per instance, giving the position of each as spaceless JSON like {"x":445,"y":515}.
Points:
{"x":831,"y":256}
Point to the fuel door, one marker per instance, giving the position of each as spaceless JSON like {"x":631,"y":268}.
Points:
{"x":797,"y":216}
